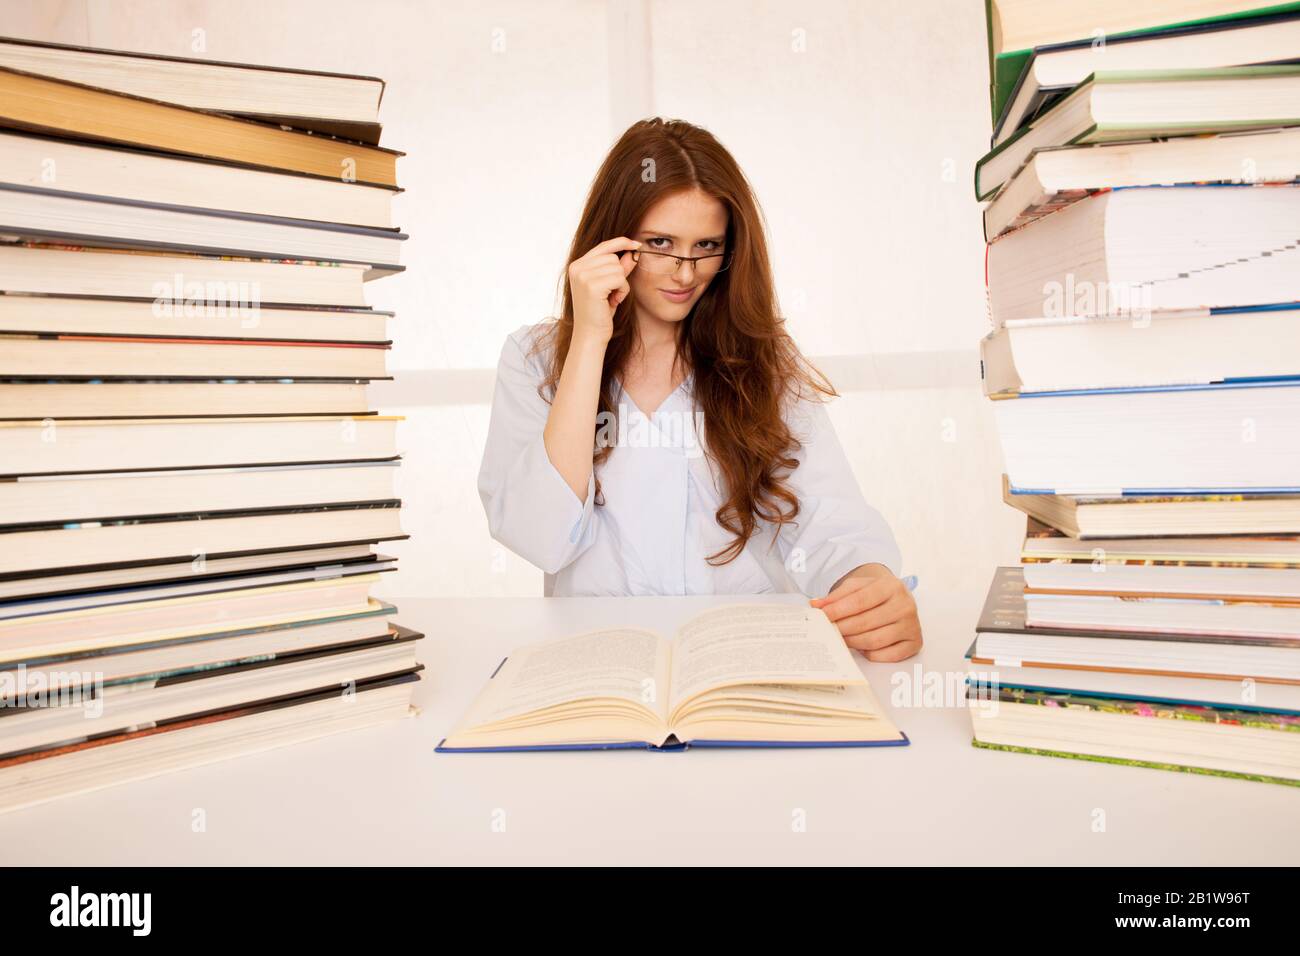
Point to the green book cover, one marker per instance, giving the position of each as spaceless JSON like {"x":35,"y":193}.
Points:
{"x":1150,"y":764}
{"x":1103,"y":133}
{"x":1280,"y":721}
{"x":1005,"y":67}
{"x":1185,"y":710}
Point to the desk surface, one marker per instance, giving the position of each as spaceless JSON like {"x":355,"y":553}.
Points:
{"x":382,"y":796}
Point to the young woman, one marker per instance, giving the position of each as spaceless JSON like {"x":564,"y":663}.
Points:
{"x":664,"y":435}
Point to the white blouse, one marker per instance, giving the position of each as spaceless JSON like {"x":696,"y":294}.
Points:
{"x":657,"y":523}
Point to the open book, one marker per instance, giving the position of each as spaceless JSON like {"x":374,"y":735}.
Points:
{"x":744,"y":675}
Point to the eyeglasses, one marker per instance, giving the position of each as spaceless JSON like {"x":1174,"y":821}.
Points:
{"x":665,"y":264}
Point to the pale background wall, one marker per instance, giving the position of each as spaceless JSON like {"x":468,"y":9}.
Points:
{"x":857,"y":121}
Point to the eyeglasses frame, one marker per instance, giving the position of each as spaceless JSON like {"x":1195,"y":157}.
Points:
{"x":693,"y":260}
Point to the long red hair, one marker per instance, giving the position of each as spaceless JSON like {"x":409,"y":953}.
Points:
{"x":746,"y":367}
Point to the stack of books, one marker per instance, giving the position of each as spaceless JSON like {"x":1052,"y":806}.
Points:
{"x":192,"y":485}
{"x":1143,"y":221}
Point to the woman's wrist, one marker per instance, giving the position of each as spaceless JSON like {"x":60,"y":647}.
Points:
{"x":587,"y":344}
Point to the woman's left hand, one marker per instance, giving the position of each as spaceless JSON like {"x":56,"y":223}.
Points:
{"x":875,"y":612}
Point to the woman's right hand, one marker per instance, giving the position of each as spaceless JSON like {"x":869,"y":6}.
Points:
{"x":597,"y":284}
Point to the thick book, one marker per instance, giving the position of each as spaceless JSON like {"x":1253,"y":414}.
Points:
{"x":105,"y":169}
{"x":26,"y":584}
{"x":337,"y":104}
{"x":1053,"y":69}
{"x":98,"y":495}
{"x":1228,"y":438}
{"x":750,"y":675}
{"x":39,"y":104}
{"x":1224,"y":567}
{"x":110,"y":708}
{"x":68,"y":545}
{"x":1147,"y":687}
{"x":166,"y":618}
{"x":1248,"y":550}
{"x":1016,"y":27}
{"x":1090,"y":517}
{"x":1197,"y":347}
{"x":41,"y":214}
{"x":1219,"y":582}
{"x":1004,"y":637}
{"x":1135,"y":253}
{"x":195,"y":398}
{"x":146,"y":444}
{"x":1149,"y":104}
{"x":1244,"y":742}
{"x":176,"y":284}
{"x":199,"y":584}
{"x":93,"y":763}
{"x":1230,"y":615}
{"x":220,"y":647}
{"x":133,"y":318}
{"x":1060,"y":176}
{"x":47,"y":355}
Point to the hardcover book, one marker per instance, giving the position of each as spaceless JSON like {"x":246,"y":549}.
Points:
{"x":749,"y":675}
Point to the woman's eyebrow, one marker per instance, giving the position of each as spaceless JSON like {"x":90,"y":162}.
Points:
{"x":669,"y":235}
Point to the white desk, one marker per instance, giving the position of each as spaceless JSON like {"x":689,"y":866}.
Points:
{"x":383,"y":796}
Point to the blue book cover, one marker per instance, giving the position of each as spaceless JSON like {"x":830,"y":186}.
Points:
{"x":681,"y":747}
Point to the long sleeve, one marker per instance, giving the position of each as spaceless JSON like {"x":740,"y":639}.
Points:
{"x":530,"y":508}
{"x":836,"y":530}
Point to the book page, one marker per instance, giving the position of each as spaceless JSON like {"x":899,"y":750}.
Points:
{"x":819,"y":699}
{"x":625,"y":664}
{"x":759,"y":644}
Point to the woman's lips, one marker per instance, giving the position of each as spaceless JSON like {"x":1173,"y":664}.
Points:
{"x":678,"y":296}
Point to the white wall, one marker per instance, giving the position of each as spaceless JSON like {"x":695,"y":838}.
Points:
{"x":858,"y":122}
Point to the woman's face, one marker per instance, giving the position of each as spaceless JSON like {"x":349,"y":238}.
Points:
{"x":687,"y":223}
